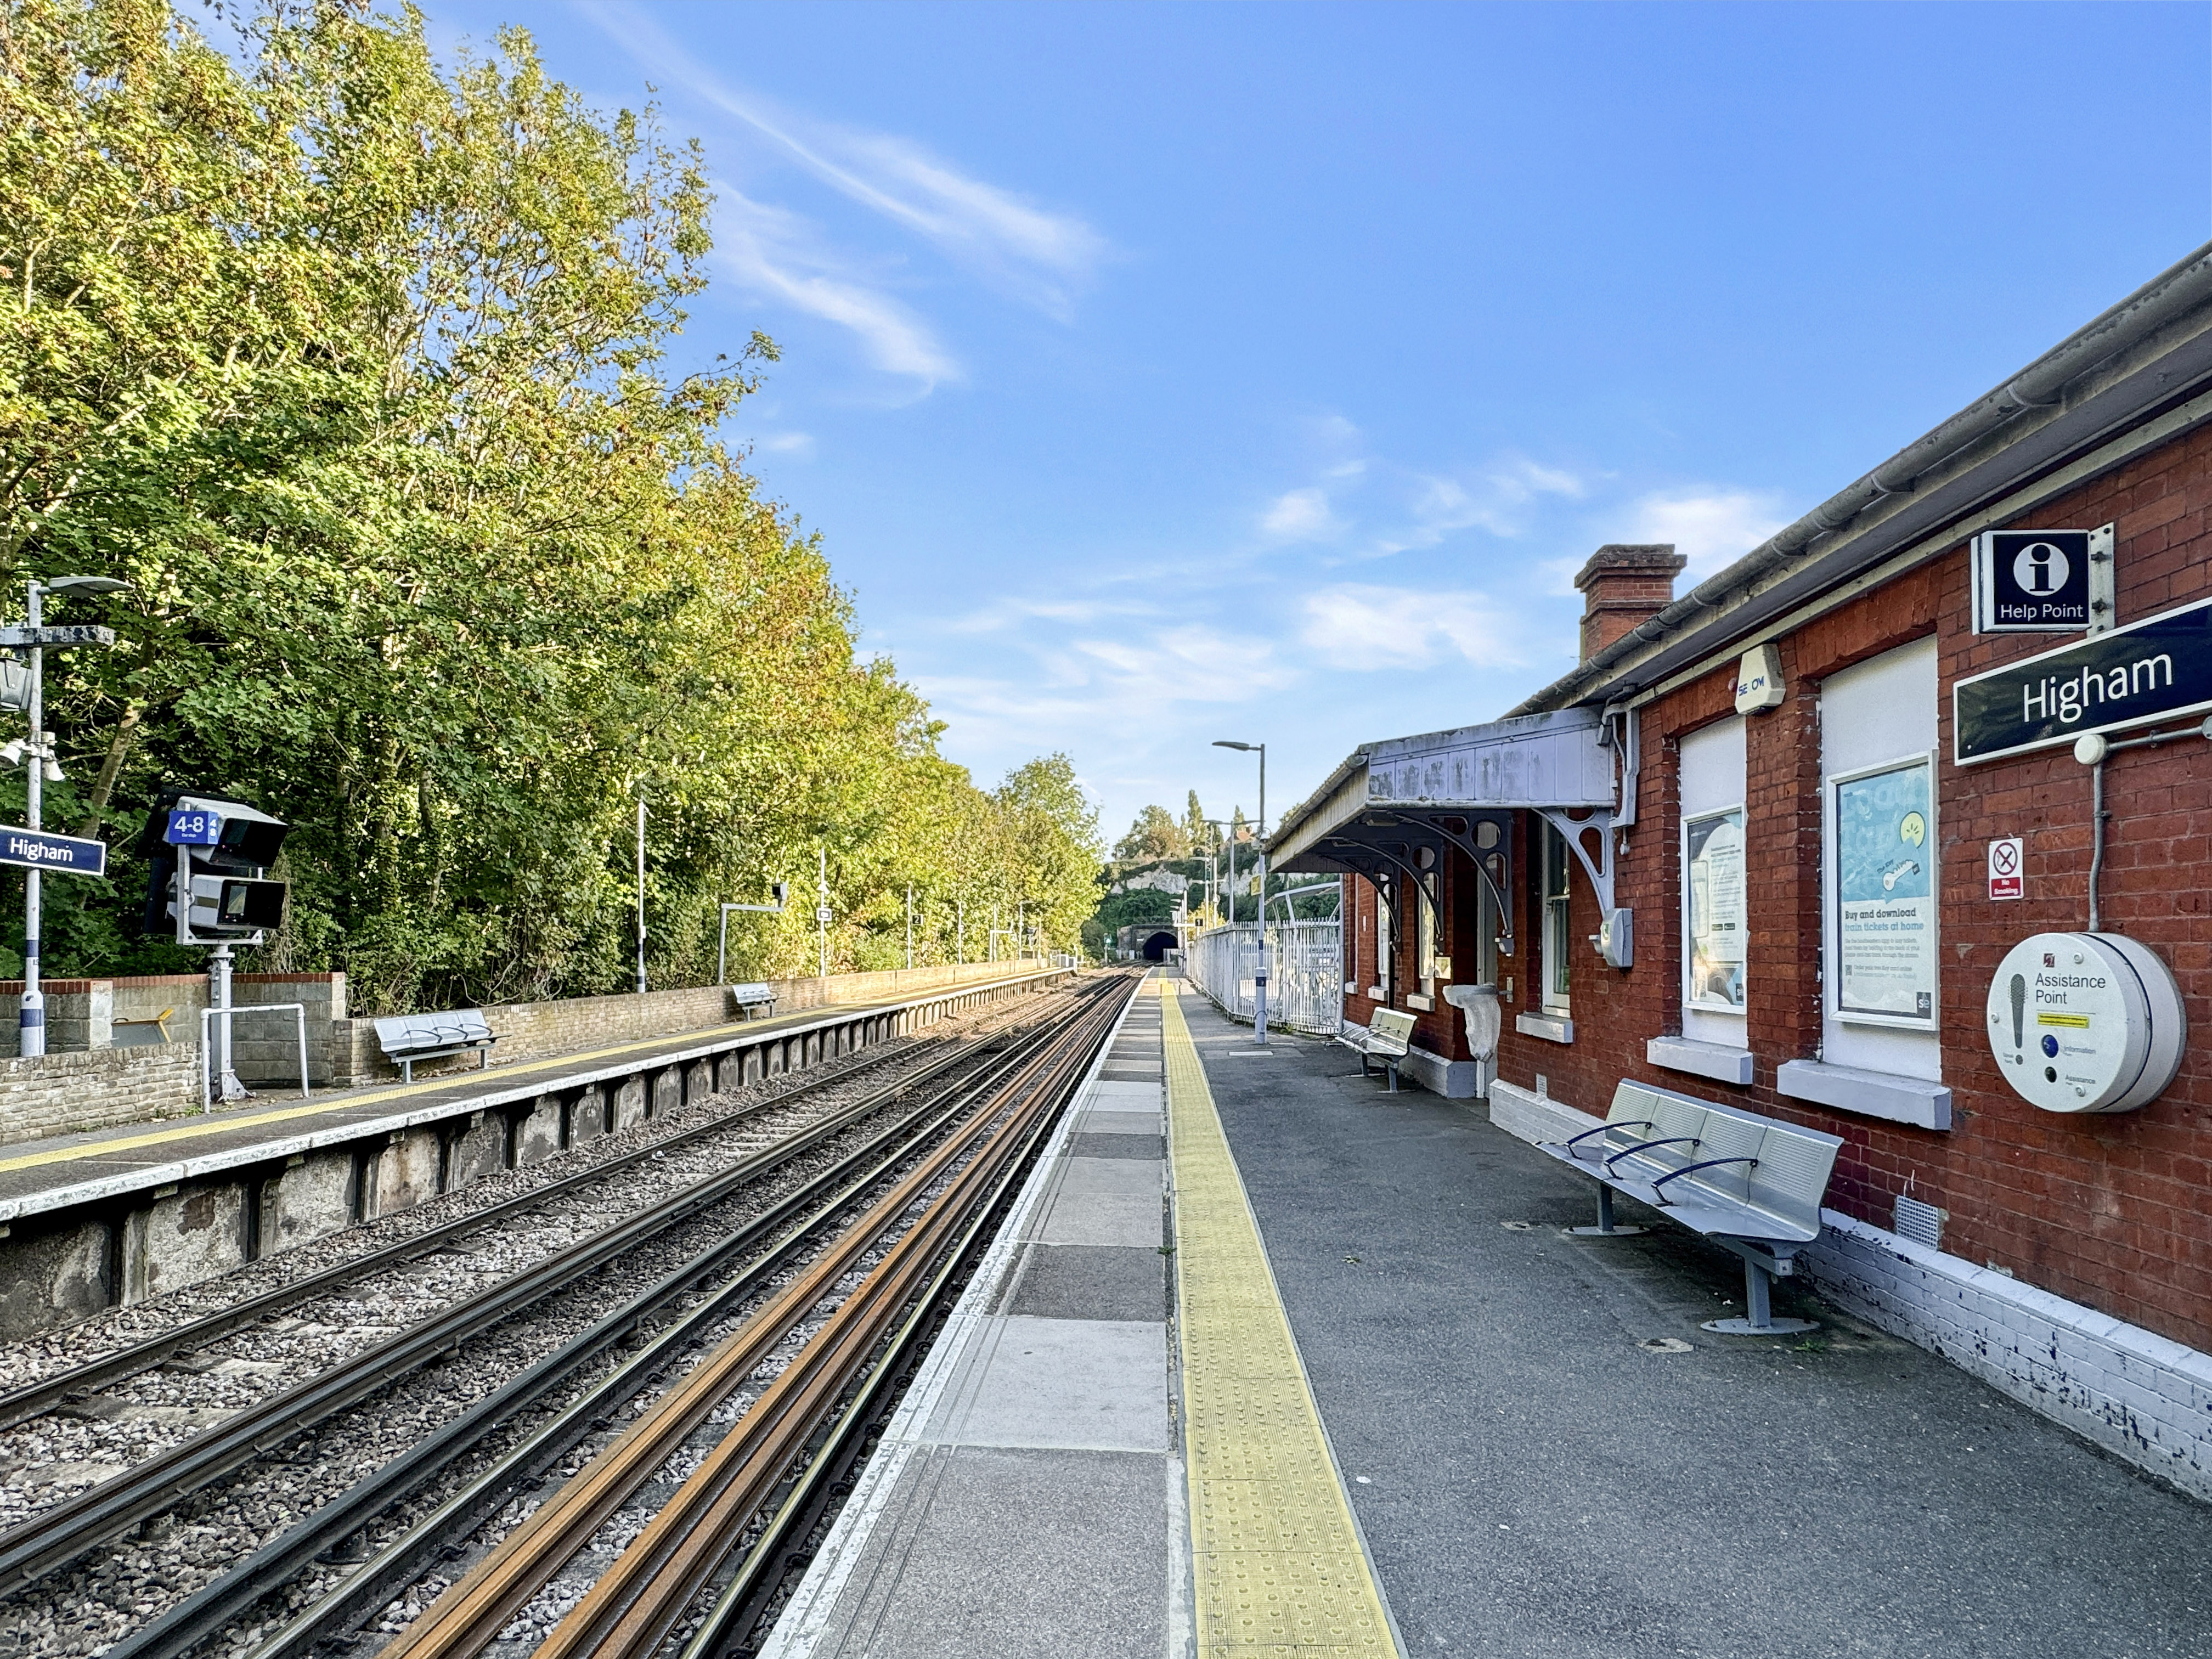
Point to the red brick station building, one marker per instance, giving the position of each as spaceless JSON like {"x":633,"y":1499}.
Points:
{"x":1768,"y":842}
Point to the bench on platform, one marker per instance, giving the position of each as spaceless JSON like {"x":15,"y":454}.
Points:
{"x":1385,"y":1037}
{"x":406,"y":1038}
{"x":1752,"y":1184}
{"x":751,"y":997}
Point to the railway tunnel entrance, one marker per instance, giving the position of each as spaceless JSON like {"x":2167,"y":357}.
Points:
{"x":1158,"y":946}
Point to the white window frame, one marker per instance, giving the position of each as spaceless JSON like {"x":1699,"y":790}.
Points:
{"x":1831,"y":880}
{"x":1558,"y":920}
{"x":1690,"y":1001}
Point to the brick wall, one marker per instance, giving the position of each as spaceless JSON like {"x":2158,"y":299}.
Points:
{"x":531,"y":1030}
{"x":2113,"y":1212}
{"x":63,"y":1094}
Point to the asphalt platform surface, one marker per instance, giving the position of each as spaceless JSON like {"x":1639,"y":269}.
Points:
{"x":1549,"y":1458}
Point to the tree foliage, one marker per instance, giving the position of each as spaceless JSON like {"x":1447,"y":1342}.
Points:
{"x":355,"y":367}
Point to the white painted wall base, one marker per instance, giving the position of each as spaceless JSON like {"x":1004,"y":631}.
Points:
{"x":2138,"y":1396}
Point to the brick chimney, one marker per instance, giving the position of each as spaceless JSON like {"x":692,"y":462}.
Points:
{"x":1621,"y":586}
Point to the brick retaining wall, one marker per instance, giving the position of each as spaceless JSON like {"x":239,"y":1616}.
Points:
{"x":66,"y":1094}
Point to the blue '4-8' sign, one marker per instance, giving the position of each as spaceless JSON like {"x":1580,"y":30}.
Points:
{"x":193,"y":828}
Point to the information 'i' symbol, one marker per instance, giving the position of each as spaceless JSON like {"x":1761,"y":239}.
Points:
{"x":2041,"y":567}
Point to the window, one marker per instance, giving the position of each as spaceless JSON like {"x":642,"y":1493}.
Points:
{"x":1425,"y":947}
{"x":1381,"y":986}
{"x":1878,"y":946}
{"x":1556,"y":924}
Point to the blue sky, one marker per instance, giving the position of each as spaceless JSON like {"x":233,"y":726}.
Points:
{"x":1161,"y":374}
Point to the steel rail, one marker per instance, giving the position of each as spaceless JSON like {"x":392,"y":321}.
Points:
{"x":471,"y":1614}
{"x":30,"y":1400}
{"x":57,"y":1536}
{"x":213,"y":1609}
{"x":644,"y":1594}
{"x":810,"y":1495}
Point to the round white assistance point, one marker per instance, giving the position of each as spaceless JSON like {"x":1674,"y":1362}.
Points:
{"x":2086,"y":1023}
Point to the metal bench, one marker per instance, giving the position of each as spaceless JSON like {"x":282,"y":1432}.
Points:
{"x":407,"y":1038}
{"x":1386,"y":1038}
{"x":1751,"y":1184}
{"x":751,"y":997}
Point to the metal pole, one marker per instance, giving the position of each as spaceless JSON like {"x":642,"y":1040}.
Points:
{"x":1259,"y":979}
{"x":959,"y":932}
{"x":994,"y":932}
{"x":640,"y":897}
{"x":822,"y":910}
{"x":722,"y":951}
{"x":31,"y":1022}
{"x":909,"y":924}
{"x":227,"y":1087}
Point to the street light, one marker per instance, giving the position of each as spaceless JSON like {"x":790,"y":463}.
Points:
{"x":36,"y":756}
{"x":1260,"y":976}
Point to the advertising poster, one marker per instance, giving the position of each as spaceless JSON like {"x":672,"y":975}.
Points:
{"x":1717,"y":921}
{"x":1885,"y":896}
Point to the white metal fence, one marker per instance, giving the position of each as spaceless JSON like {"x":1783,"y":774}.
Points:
{"x":1305,"y":972}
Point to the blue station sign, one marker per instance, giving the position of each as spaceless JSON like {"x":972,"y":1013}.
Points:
{"x":38,"y":849}
{"x":2157,"y":669}
{"x":193,"y":827}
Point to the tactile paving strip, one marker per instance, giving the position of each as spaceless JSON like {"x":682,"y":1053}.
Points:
{"x":1277,"y":1562}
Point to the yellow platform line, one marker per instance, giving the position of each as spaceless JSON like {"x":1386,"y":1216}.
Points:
{"x":215,"y":1125}
{"x":1278,"y":1564}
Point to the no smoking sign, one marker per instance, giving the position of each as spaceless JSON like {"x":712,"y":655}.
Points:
{"x":2007,"y":880}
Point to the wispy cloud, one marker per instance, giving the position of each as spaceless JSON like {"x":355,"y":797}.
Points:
{"x":1365,"y":627}
{"x":1299,"y":515}
{"x":1040,"y":255}
{"x":1005,"y":613}
{"x":797,"y":444}
{"x":1710,"y":527}
{"x":777,"y":254}
{"x":1497,"y":498}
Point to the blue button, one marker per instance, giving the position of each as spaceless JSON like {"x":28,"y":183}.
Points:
{"x":2051,"y":1046}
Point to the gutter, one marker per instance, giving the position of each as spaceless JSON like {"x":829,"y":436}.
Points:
{"x":2169,"y":298}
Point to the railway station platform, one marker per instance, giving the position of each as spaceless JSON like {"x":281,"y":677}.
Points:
{"x":1376,"y":1397}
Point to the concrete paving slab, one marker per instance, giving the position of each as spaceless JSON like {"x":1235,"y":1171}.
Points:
{"x":1113,"y":1175}
{"x":1537,"y":1483}
{"x":1100,"y":1121}
{"x":1118,"y":1146}
{"x":1099,"y":1219}
{"x":1089,"y":1282}
{"x":1140,"y":1097}
{"x":1098,"y":1384}
{"x":982,"y":1551}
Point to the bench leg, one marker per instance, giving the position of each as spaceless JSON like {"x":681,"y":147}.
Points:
{"x":406,"y":1071}
{"x":1758,"y":1296}
{"x":1605,"y":1229}
{"x":1391,"y":1067}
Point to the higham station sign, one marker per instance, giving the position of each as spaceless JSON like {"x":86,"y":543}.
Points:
{"x":2160,"y":668}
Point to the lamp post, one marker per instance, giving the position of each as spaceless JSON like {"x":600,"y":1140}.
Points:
{"x":821,"y":910}
{"x":40,"y":768}
{"x":1260,"y":976}
{"x":641,"y":896}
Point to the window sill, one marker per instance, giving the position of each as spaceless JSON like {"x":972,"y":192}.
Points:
{"x":1426,"y":1004}
{"x":1709,"y":1059}
{"x":1376,"y":992}
{"x":1916,"y":1100}
{"x":1552,"y":1027}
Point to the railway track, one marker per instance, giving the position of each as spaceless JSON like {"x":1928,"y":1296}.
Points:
{"x":968,"y":1120}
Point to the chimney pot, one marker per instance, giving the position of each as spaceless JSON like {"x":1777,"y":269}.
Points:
{"x":1623,"y":585}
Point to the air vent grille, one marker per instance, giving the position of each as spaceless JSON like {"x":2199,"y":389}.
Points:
{"x":1921,"y":1223}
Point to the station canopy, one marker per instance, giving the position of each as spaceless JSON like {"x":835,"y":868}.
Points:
{"x":1392,"y":811}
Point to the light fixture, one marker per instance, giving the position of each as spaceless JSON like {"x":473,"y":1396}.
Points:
{"x":84,"y":584}
{"x":12,"y":751}
{"x":54,"y":770}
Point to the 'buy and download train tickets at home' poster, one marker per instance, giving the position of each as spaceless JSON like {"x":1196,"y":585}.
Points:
{"x":1885,"y":896}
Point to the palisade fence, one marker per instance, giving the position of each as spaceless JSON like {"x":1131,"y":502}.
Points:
{"x":1305,"y":972}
